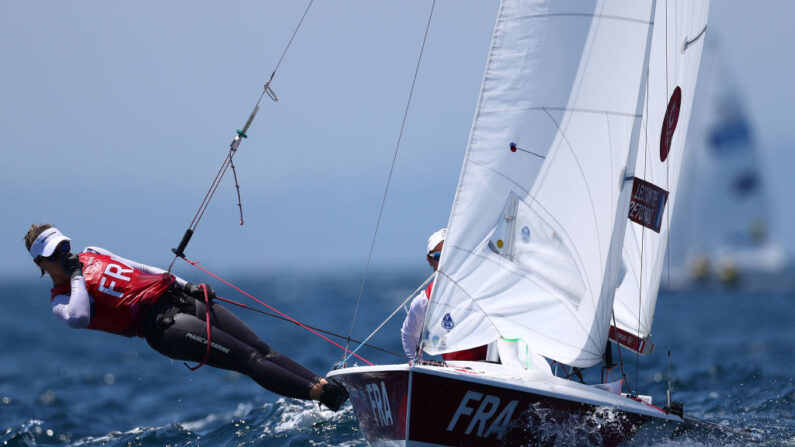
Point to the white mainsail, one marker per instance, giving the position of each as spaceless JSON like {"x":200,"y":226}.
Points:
{"x":673,"y":70}
{"x":534,"y":238}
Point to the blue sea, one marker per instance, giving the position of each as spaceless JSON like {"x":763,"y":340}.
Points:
{"x":731,"y":363}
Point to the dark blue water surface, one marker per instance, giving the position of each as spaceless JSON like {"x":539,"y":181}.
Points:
{"x":731,"y":363}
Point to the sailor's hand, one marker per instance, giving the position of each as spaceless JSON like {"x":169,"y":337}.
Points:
{"x":197,"y":292}
{"x":189,"y":288}
{"x":72,"y":265}
{"x":210,"y":292}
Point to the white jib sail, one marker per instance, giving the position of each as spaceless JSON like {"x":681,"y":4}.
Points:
{"x":535,"y":233}
{"x":678,"y":38}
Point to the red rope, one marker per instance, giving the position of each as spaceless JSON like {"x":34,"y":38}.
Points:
{"x":209,"y":332}
{"x":196,"y":264}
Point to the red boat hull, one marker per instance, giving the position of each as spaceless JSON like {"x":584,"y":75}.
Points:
{"x":445,"y":410}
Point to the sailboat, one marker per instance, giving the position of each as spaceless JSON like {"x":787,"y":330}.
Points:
{"x":724,"y":231}
{"x":556,"y":236}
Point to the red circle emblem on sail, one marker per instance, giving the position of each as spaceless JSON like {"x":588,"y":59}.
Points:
{"x":669,"y":123}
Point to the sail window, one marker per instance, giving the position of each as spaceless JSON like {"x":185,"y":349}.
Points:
{"x":530,"y":243}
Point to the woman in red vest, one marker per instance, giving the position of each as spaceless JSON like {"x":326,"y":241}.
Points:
{"x":99,"y":290}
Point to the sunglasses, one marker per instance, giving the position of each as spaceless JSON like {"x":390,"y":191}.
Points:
{"x":63,"y":247}
{"x":435,"y":255}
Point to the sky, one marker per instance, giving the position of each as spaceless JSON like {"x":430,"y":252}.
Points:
{"x":116,"y":116}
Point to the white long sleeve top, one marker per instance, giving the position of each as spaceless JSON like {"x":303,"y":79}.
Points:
{"x":412,"y":325}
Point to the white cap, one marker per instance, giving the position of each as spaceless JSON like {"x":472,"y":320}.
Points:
{"x":46,"y":243}
{"x":435,"y":238}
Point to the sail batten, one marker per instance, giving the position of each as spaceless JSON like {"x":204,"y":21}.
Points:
{"x":534,"y":239}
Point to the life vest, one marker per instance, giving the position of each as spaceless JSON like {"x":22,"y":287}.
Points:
{"x":120,"y":294}
{"x":473,"y":355}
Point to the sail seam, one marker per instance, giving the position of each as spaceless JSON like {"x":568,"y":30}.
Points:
{"x":566,"y":109}
{"x":610,"y":147}
{"x":587,"y":189}
{"x":581,"y":14}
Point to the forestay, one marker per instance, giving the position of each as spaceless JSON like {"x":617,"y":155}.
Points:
{"x":535,"y":233}
{"x":676,"y":47}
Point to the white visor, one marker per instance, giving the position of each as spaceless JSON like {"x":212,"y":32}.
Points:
{"x":435,"y":238}
{"x":47,"y":242}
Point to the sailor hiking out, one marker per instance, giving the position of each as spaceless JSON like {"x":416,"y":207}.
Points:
{"x":100,"y":290}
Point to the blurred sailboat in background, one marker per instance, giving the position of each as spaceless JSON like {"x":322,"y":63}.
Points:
{"x":722,"y":228}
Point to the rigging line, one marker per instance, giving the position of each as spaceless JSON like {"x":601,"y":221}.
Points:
{"x":266,"y":90}
{"x":179,"y":252}
{"x":391,"y":170}
{"x":333,"y":334}
{"x":207,"y":194}
{"x":668,"y":319}
{"x":620,"y":360}
{"x":642,"y":231}
{"x":291,"y":40}
{"x":227,"y":163}
{"x":211,"y":191}
{"x":196,"y":264}
{"x":237,"y":188}
{"x":412,"y":295}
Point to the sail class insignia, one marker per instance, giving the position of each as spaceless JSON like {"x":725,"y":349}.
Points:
{"x":669,"y":123}
{"x":447,"y":322}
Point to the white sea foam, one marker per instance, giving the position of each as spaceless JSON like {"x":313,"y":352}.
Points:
{"x":288,"y":415}
{"x":102,"y":440}
{"x":242,"y":410}
{"x":294,"y":414}
{"x":351,"y":443}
